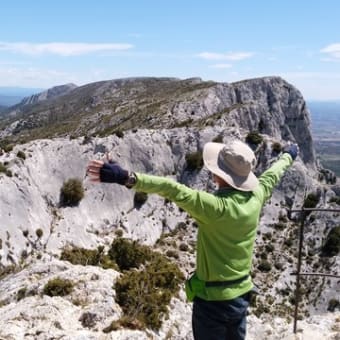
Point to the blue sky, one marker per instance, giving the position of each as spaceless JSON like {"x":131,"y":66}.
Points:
{"x":47,"y":43}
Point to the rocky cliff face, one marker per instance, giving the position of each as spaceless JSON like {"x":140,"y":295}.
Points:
{"x":153,"y":126}
{"x":51,"y":93}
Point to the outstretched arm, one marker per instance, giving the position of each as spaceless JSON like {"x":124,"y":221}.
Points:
{"x":199,"y":204}
{"x":270,"y":178}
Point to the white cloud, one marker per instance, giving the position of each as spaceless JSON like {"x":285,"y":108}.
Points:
{"x":235,"y":56}
{"x":60,"y":48}
{"x":333,"y":51}
{"x":221,"y":66}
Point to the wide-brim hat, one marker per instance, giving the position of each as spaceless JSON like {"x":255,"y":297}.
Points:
{"x":233,"y":162}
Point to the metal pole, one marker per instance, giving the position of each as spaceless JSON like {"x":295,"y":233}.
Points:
{"x":297,"y":291}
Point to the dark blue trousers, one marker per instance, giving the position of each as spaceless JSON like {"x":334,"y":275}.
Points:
{"x":220,"y":320}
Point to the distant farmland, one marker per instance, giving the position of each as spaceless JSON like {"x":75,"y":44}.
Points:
{"x":326,"y":133}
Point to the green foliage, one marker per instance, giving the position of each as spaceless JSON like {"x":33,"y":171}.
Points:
{"x":58,"y":287}
{"x":5,"y":170}
{"x":194,"y":160}
{"x":311,"y":201}
{"x":145,"y":294}
{"x":4,"y":271}
{"x":119,"y":133}
{"x":39,"y":232}
{"x":87,"y":257}
{"x":21,"y":293}
{"x":119,"y":233}
{"x":332,"y":245}
{"x":71,"y":192}
{"x":8,"y":147}
{"x":264,"y":266}
{"x":123,"y":322}
{"x":139,"y":198}
{"x":254,"y":137}
{"x":280,"y":225}
{"x":276,"y":147}
{"x":128,"y":254}
{"x":335,"y":199}
{"x":333,"y":304}
{"x":21,"y":154}
{"x":88,"y":319}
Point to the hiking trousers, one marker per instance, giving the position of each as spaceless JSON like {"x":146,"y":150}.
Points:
{"x":220,"y":320}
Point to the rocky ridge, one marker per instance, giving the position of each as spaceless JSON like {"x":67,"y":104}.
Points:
{"x":30,"y":200}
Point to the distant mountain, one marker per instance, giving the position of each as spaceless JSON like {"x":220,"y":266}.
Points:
{"x":51,"y":93}
{"x":12,"y":95}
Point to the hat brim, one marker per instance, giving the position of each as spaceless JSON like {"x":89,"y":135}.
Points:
{"x":210,"y":158}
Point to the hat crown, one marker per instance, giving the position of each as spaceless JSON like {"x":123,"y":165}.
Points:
{"x":238,"y":157}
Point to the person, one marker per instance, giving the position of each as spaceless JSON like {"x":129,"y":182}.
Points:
{"x":227,"y":221}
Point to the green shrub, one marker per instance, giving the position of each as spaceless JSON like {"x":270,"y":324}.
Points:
{"x":311,"y":200}
{"x":21,"y":154}
{"x":183,"y":247}
{"x":128,"y":254}
{"x":119,"y":133}
{"x":139,"y":198}
{"x":124,"y":322}
{"x":3,"y":168}
{"x":88,"y":319}
{"x":58,"y":287}
{"x":254,"y":137}
{"x":21,"y":293}
{"x":88,"y":257}
{"x":71,"y":192}
{"x":4,"y":271}
{"x":119,"y":233}
{"x":264,"y":266}
{"x":145,"y":294}
{"x":332,"y":245}
{"x":335,"y":199}
{"x":8,"y":147}
{"x":276,"y":147}
{"x":194,"y":160}
{"x":39,"y":232}
{"x":333,"y":304}
{"x":280,"y":225}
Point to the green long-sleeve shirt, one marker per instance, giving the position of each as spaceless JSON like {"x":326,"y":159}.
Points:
{"x":227,"y":222}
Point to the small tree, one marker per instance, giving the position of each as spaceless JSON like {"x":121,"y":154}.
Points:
{"x":194,"y":160}
{"x":71,"y":192}
{"x":58,"y":287}
{"x":254,"y":137}
{"x":332,"y":244}
{"x":140,"y":198}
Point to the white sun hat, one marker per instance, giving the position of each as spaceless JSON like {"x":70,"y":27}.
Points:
{"x":233,"y":162}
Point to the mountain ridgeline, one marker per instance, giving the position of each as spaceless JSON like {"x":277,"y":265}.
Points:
{"x":267,"y":105}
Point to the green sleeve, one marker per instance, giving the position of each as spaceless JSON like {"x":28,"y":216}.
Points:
{"x":199,"y":204}
{"x":269,"y":179}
